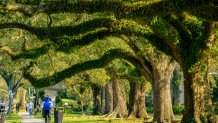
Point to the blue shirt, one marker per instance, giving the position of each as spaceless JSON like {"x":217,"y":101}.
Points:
{"x":47,"y":104}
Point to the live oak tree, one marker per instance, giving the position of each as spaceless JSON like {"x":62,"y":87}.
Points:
{"x":13,"y":79}
{"x":99,"y":78}
{"x":13,"y":85}
{"x":161,"y":70}
{"x":81,"y":86}
{"x":139,"y":87}
{"x":115,"y":91}
{"x":12,"y":74}
{"x":187,"y":34}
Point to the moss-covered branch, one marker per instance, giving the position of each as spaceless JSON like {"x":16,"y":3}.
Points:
{"x":3,"y":73}
{"x":58,"y":31}
{"x":32,"y":53}
{"x":81,"y":6}
{"x":92,"y":64}
{"x":7,"y":50}
{"x":168,"y":35}
{"x":182,"y":30}
{"x":145,"y":63}
{"x":6,"y":76}
{"x":206,"y":9}
{"x":65,"y":38}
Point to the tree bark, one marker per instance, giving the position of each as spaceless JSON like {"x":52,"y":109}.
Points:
{"x":102,"y":100}
{"x":11,"y":97}
{"x":162,"y":74}
{"x":109,"y":99}
{"x":22,"y":96}
{"x":96,"y":99}
{"x":119,"y":99}
{"x":137,"y":101}
{"x":197,"y":99}
{"x":196,"y":86}
{"x":10,"y":105}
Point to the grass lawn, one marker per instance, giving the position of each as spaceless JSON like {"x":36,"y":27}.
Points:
{"x":13,"y":118}
{"x":78,"y":118}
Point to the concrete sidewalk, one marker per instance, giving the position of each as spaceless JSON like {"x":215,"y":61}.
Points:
{"x":28,"y":119}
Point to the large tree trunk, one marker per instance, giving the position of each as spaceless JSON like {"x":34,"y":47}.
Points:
{"x":109,"y":99}
{"x":197,"y":99}
{"x":119,"y":99}
{"x":11,"y":96}
{"x":96,"y":99}
{"x":190,"y":102}
{"x":22,"y":97}
{"x":137,"y":101}
{"x":102,"y":100}
{"x":162,"y":73}
{"x":196,"y":86}
{"x":10,"y":105}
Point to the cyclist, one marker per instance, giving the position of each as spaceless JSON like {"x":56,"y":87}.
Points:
{"x":46,"y":106}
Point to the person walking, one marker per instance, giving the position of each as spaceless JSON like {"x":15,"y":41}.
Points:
{"x":46,"y":108}
{"x":30,"y":108}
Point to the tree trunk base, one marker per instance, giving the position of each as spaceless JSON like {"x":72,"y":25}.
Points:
{"x":113,"y":114}
{"x":131,"y":116}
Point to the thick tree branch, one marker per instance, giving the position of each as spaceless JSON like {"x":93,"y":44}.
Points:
{"x":168,"y":39}
{"x":3,"y":73}
{"x":99,"y":63}
{"x":58,"y":31}
{"x":18,"y":82}
{"x":206,"y":9}
{"x":145,"y":63}
{"x":182,"y":29}
{"x":67,"y":44}
{"x":7,"y":50}
{"x":24,"y":45}
{"x":184,"y":34}
{"x":6,"y":76}
{"x":132,"y":78}
{"x":82,"y":6}
{"x":32,"y":53}
{"x":18,"y":26}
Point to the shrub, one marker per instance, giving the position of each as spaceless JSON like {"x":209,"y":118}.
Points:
{"x":178,"y":109}
{"x":58,"y":101}
{"x":74,"y":105}
{"x":149,"y":109}
{"x":216,"y":109}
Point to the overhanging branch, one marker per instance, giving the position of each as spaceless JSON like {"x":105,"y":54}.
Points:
{"x":65,"y":38}
{"x":108,"y":57}
{"x":7,"y":50}
{"x":206,"y":9}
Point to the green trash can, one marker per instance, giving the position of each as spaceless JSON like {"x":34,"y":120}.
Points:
{"x":58,"y":114}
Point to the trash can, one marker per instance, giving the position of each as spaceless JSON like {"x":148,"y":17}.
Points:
{"x":58,"y":114}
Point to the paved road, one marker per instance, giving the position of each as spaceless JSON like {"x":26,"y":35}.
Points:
{"x":28,"y":119}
